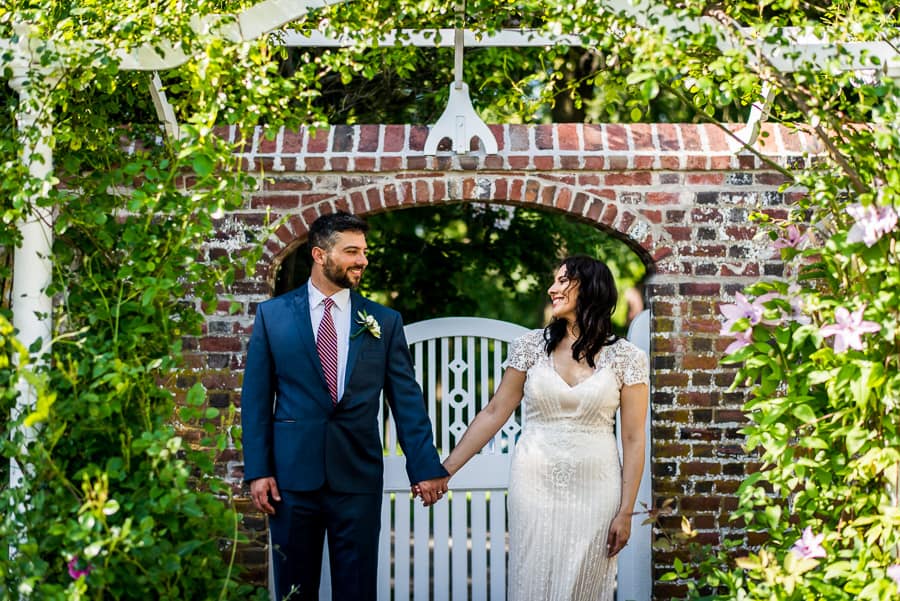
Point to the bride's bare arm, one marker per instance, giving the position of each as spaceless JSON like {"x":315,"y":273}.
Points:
{"x":489,"y":420}
{"x":633,"y":409}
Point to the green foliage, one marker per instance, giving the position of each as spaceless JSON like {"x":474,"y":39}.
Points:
{"x":121,"y":499}
{"x":475,"y":260}
{"x":817,"y":350}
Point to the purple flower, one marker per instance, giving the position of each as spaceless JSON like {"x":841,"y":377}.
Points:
{"x":872,"y":222}
{"x":809,"y":546}
{"x":742,"y":309}
{"x":791,"y":238}
{"x":741,"y":339}
{"x":77,"y":572}
{"x":797,"y":305}
{"x":848,"y":329}
{"x":893,"y":573}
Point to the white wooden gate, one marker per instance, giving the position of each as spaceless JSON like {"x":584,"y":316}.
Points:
{"x":456,"y":550}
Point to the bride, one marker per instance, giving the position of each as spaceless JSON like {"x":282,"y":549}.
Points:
{"x":570,"y":499}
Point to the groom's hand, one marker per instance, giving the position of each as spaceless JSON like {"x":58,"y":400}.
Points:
{"x":432,"y":490}
{"x":260,"y":490}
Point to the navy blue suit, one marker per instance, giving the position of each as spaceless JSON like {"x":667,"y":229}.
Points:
{"x":327,"y":459}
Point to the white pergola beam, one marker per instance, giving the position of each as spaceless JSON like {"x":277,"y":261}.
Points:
{"x":248,"y":25}
{"x":850,"y":56}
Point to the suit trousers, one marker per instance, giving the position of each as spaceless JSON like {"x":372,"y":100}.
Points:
{"x":298,"y":528}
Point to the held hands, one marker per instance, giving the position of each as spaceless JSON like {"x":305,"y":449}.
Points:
{"x":431,"y":491}
{"x":260,"y":491}
{"x":619,"y":533}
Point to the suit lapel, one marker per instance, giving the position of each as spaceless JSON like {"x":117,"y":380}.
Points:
{"x":308,"y":341}
{"x":356,"y":305}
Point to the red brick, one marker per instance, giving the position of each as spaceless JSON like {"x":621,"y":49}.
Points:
{"x":690,"y":136}
{"x":616,"y":137}
{"x":642,"y":162}
{"x":518,"y":138}
{"x":668,"y":136}
{"x":531,"y":190}
{"x":374,"y":197}
{"x":390,"y":196}
{"x":497,"y":131}
{"x":570,"y":162}
{"x":705,"y":179}
{"x":663,"y":197}
{"x":616,"y":163}
{"x":693,"y":361}
{"x":359,"y":203}
{"x":567,"y":134}
{"x":594,"y":163}
{"x":670,"y":379}
{"x":593,"y":137}
{"x":276,"y":201}
{"x":217,"y":345}
{"x":519,"y":162}
{"x":544,"y":163}
{"x":364,"y":163}
{"x":417,"y":137}
{"x":317,"y":141}
{"x":315,"y":164}
{"x":394,"y":138}
{"x":642,"y":178}
{"x":671,"y":163}
{"x":679,"y":233}
{"x":642,"y":138}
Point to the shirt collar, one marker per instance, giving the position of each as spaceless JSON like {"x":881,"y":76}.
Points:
{"x":341,"y":298}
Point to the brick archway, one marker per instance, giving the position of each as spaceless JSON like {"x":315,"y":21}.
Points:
{"x":680,"y":195}
{"x":580,"y":197}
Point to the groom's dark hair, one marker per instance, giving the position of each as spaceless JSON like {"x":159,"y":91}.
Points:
{"x":322,"y":231}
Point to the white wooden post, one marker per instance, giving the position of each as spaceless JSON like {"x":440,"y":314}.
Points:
{"x":32,"y":268}
{"x":635,"y":580}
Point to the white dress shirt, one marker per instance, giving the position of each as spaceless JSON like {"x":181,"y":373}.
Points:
{"x":340,"y":313}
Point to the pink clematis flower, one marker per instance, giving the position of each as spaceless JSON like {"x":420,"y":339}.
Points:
{"x":809,"y":546}
{"x":76,"y":572}
{"x":872,"y":222}
{"x":848,"y":329}
{"x":893,"y":573}
{"x":741,"y":339}
{"x":791,"y":238}
{"x":741,"y":309}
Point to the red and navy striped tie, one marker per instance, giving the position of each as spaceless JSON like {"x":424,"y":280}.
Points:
{"x":326,"y":344}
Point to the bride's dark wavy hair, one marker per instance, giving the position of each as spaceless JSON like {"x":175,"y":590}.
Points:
{"x":597,"y":298}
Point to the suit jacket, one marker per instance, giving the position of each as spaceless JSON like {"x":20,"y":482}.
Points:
{"x":291,"y":429}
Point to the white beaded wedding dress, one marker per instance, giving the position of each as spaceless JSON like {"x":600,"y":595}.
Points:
{"x":565,"y":479}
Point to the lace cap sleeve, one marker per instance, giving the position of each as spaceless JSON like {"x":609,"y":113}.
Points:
{"x":632,"y":364}
{"x":525,"y":350}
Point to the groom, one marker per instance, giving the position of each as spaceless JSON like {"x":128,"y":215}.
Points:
{"x":319,"y":358}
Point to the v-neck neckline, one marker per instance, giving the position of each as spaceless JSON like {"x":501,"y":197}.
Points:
{"x":552,"y":365}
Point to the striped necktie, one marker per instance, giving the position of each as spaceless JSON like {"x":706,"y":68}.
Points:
{"x":326,"y":345}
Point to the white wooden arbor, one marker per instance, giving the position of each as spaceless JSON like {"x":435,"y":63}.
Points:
{"x":457,"y":549}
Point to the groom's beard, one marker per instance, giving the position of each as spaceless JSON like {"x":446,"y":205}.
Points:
{"x":341,"y":277}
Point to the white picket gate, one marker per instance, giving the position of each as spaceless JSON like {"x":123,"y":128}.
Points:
{"x":457,"y":550}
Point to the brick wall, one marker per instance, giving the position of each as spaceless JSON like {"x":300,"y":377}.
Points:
{"x":680,"y":195}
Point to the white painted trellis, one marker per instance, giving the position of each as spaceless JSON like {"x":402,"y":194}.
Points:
{"x":457,"y":550}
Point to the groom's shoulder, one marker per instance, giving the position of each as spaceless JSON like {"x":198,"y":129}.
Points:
{"x":282,"y":300}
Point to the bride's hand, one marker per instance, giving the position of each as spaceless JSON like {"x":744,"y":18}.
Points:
{"x":619,"y":532}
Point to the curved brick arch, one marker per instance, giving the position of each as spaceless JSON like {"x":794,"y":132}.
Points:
{"x":580,"y":197}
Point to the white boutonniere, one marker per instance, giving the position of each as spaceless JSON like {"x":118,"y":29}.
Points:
{"x":368,"y":324}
